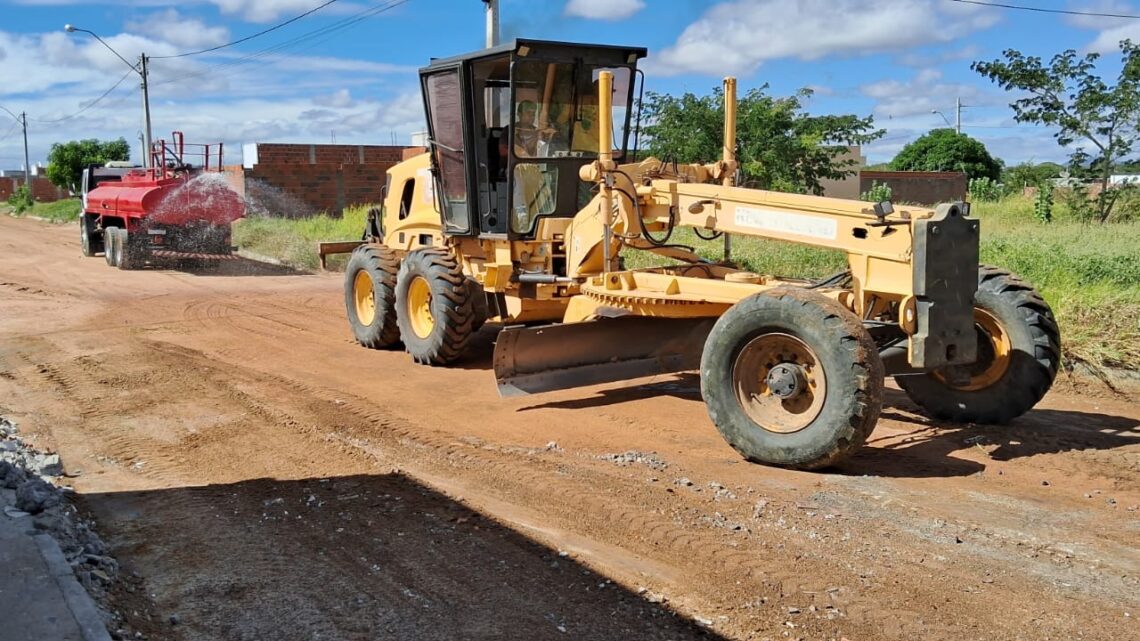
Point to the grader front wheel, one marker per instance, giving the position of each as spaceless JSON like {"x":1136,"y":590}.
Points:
{"x":791,"y":378}
{"x":435,"y":308}
{"x":1019,"y":351}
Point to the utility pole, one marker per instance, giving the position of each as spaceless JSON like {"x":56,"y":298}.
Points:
{"x":141,"y":70}
{"x":27,"y":165}
{"x":958,"y":110}
{"x":492,"y":22}
{"x":23,"y":120}
{"x":146,"y":109}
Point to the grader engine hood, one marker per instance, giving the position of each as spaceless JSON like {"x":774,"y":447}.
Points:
{"x":945,"y":281}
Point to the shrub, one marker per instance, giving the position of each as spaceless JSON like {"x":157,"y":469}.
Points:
{"x":1081,"y":206}
{"x":1127,"y":207}
{"x":21,"y":200}
{"x":878,"y":192}
{"x":986,"y":189}
{"x":1043,"y":203}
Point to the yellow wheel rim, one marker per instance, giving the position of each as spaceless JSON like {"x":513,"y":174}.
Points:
{"x":419,"y":307}
{"x":780,"y":409}
{"x":364,"y":298}
{"x":994,"y":354}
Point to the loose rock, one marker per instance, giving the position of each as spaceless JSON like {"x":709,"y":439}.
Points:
{"x":36,"y":495}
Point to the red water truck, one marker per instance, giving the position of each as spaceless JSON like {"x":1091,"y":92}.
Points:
{"x":179,"y":208}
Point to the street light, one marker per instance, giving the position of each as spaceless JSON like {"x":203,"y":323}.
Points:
{"x":935,"y":111}
{"x":140,"y":69}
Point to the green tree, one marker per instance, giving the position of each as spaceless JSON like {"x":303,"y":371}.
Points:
{"x":778,"y":146}
{"x":1068,"y":95}
{"x":1027,"y":174}
{"x":67,"y":159}
{"x":947,"y":150}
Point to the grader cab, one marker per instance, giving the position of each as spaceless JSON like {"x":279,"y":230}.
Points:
{"x":527,"y":201}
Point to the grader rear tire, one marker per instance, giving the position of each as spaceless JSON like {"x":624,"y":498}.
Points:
{"x":791,"y":378}
{"x":112,"y":248}
{"x":370,"y":296}
{"x":1019,"y":351}
{"x":434,"y":307}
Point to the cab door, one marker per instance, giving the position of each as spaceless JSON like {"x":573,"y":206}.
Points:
{"x":443,"y":97}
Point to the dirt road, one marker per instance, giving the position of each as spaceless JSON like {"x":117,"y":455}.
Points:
{"x":259,"y":476}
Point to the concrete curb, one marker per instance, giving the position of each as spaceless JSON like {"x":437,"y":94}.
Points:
{"x":78,"y":601}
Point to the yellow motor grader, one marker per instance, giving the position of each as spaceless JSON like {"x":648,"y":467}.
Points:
{"x":521,"y":211}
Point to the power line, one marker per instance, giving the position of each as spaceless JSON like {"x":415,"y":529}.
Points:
{"x":327,"y":30}
{"x":1042,"y":10}
{"x":10,"y":131}
{"x":90,"y":104}
{"x":249,"y":37}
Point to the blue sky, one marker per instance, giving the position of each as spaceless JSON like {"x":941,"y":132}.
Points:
{"x":348,"y":71}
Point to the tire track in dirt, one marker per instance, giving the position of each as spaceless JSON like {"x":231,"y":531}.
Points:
{"x":183,"y":510}
{"x":582,"y":490}
{"x":588,"y":488}
{"x":356,"y":418}
{"x":211,"y":364}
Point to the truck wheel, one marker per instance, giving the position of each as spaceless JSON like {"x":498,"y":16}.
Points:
{"x":370,"y":296}
{"x":434,"y":307}
{"x":1019,"y":351}
{"x":791,"y":378}
{"x":130,"y":253}
{"x":111,"y":246}
{"x":91,"y":242}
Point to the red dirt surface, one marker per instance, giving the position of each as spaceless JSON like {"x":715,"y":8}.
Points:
{"x":259,"y":476}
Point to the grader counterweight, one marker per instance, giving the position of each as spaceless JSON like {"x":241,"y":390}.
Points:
{"x":522,"y":209}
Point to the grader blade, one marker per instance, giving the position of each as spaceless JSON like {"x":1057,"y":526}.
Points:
{"x":531,"y":360}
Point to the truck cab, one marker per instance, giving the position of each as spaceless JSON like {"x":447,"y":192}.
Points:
{"x":510,"y":127}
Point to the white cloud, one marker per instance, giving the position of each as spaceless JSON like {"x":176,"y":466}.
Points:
{"x":264,"y":10}
{"x":340,"y":98}
{"x":737,"y":36}
{"x":1108,"y":41}
{"x":223,"y":96}
{"x":924,"y":93}
{"x":904,"y":108}
{"x":1111,"y":30}
{"x":919,"y":59}
{"x":190,"y":33}
{"x":249,"y":10}
{"x":603,"y":9}
{"x":1100,"y":6}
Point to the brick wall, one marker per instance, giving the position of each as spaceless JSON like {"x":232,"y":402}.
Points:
{"x":921,"y":187}
{"x":42,"y":189}
{"x":313,"y":178}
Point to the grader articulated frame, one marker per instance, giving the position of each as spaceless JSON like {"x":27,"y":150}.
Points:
{"x":491,"y":225}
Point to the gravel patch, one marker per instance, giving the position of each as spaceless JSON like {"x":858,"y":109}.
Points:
{"x":29,"y":490}
{"x":633,"y":457}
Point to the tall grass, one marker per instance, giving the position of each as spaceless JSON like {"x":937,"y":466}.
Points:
{"x":60,"y":211}
{"x":294,"y":241}
{"x":1089,"y":273}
